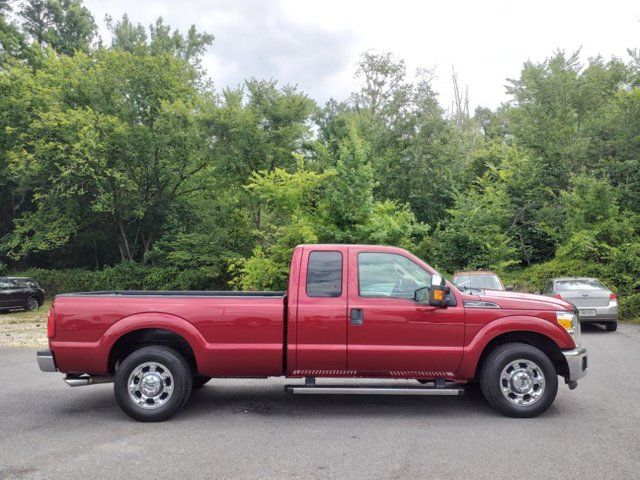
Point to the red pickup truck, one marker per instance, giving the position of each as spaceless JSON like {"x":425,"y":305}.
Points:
{"x":349,"y":311}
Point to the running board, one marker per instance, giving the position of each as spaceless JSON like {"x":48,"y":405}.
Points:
{"x":450,"y":389}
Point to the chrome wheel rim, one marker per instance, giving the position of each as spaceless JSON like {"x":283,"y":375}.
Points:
{"x":522,"y":382}
{"x":150,"y":385}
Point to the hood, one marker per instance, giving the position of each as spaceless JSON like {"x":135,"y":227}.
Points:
{"x":518,"y":301}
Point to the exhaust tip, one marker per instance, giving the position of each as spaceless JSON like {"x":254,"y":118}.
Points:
{"x":88,"y":380}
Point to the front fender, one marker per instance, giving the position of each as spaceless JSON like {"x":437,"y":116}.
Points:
{"x":510,"y":324}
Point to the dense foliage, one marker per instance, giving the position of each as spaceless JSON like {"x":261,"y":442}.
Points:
{"x":121,"y":166}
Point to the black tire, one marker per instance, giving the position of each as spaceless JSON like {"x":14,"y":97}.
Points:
{"x":199,"y":381}
{"x":32,"y":304}
{"x":611,"y":326}
{"x":180,"y":374}
{"x":491,"y":384}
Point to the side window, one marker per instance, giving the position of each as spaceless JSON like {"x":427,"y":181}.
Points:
{"x":390,"y":275}
{"x":7,"y":285}
{"x":324,"y":274}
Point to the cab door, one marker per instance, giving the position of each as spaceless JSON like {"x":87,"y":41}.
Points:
{"x":321,"y":326}
{"x":389,"y":333}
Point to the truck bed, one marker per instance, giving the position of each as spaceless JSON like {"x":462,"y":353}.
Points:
{"x":230,"y":333}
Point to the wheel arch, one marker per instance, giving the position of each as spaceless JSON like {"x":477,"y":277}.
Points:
{"x":136,"y":339}
{"x":136,"y":331}
{"x":534,"y":339}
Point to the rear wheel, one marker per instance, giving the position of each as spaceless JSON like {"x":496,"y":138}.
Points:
{"x":519,"y":380}
{"x":611,"y":326}
{"x":153,"y":383}
{"x":32,"y":304}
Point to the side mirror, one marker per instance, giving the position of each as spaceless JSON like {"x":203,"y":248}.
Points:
{"x":438,"y":292}
{"x":508,"y":287}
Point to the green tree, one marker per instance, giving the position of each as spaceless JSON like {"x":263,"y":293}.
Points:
{"x":66,"y":26}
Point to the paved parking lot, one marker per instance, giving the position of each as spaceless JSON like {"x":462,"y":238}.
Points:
{"x":252,"y":429}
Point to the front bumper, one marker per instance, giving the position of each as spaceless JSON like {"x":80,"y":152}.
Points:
{"x":46,"y":361}
{"x":577,"y":362}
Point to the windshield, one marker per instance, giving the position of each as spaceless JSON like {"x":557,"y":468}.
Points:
{"x":483,"y":281}
{"x":578,"y":284}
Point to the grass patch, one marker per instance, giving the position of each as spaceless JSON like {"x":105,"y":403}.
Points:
{"x":19,"y":316}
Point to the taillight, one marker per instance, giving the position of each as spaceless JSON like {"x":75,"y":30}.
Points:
{"x":51,"y":324}
{"x":558,"y":296}
{"x":612,"y":298}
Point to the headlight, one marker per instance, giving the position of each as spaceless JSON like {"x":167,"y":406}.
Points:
{"x":569,"y":321}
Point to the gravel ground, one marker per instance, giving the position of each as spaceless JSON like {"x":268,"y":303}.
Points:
{"x":24,"y":329}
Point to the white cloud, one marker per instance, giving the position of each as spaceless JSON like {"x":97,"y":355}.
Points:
{"x":316,"y":44}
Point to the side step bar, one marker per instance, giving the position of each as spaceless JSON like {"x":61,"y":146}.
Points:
{"x":450,"y":389}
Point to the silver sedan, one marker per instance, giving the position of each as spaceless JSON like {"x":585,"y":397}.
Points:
{"x":595,"y":302}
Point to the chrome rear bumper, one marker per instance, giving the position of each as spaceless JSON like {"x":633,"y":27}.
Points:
{"x":46,"y":362}
{"x":577,"y":362}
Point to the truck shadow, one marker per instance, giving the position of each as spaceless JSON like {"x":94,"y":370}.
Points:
{"x":274,"y":402}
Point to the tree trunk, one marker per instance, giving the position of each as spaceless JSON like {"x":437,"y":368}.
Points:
{"x":123,"y":243}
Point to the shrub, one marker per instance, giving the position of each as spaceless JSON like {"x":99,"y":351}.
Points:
{"x":629,"y":306}
{"x":124,"y":276}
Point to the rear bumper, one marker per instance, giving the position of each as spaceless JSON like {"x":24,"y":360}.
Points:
{"x":46,"y":361}
{"x":578,"y":363}
{"x":603,"y":314}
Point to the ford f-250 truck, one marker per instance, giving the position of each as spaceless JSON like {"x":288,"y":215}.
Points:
{"x":349,"y":311}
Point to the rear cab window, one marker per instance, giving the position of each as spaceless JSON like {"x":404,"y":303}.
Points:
{"x":324,"y":274}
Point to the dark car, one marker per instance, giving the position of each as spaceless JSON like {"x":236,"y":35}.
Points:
{"x":20,"y":292}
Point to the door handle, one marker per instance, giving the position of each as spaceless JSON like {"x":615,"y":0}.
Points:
{"x":357,"y":317}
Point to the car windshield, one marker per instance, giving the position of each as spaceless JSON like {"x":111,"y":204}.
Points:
{"x":484,"y":281}
{"x":578,"y":284}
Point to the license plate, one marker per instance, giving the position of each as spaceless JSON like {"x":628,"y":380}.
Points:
{"x":587,"y":313}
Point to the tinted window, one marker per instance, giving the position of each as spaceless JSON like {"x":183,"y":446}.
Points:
{"x":324,"y":274}
{"x":390,"y":275}
{"x":578,"y":284}
{"x":7,"y":285}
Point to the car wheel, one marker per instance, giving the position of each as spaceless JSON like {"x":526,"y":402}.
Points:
{"x":199,"y":381}
{"x":153,"y":383}
{"x":519,"y":380}
{"x":32,"y":304}
{"x":611,"y":326}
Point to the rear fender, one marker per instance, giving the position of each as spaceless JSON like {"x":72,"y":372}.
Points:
{"x":94,"y":356}
{"x":141,"y":321}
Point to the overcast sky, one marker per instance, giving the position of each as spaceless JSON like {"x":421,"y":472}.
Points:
{"x":316,"y":44}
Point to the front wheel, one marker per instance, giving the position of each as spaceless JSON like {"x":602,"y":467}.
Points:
{"x":153,"y":383}
{"x":519,"y":380}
